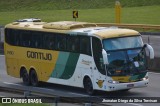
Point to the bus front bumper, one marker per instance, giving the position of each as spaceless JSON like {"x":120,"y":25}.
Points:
{"x":123,"y":86}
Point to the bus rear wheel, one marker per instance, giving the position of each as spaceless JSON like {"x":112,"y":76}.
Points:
{"x":25,"y":77}
{"x":88,"y":86}
{"x":34,"y":78}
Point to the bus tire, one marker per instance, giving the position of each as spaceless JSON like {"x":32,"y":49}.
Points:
{"x":88,"y":86}
{"x":34,"y":78}
{"x":25,"y":77}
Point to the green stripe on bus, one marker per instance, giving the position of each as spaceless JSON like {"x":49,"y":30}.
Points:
{"x":70,"y":66}
{"x":60,"y":64}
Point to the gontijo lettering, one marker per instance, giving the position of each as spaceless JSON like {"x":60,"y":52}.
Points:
{"x":39,"y":55}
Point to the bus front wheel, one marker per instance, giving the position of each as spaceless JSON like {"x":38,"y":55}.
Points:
{"x":88,"y":86}
{"x":25,"y":77}
{"x":34,"y":78}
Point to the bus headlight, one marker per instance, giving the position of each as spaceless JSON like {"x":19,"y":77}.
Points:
{"x":145,"y":78}
{"x":113,"y":82}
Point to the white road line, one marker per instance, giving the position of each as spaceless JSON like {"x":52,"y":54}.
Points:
{"x":45,"y":89}
{"x":2,"y":96}
{"x":134,"y":104}
{"x":1,"y":55}
{"x":11,"y":83}
{"x":77,"y":94}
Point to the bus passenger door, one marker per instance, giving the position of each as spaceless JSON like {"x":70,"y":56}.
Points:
{"x":99,"y":69}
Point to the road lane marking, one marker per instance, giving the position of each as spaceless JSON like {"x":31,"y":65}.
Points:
{"x":11,"y":83}
{"x":45,"y":89}
{"x":77,"y":94}
{"x":2,"y":96}
{"x":134,"y":104}
{"x":1,"y":55}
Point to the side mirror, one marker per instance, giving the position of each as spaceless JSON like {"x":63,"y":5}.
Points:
{"x":151,"y":51}
{"x":105,"y":58}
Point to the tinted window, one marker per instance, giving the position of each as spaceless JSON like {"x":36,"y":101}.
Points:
{"x":61,"y":42}
{"x":37,"y":40}
{"x":85,"y":45}
{"x":8,"y":37}
{"x":46,"y":40}
{"x":25,"y":37}
{"x":73,"y":44}
{"x":97,"y":54}
{"x":17,"y":38}
{"x":122,"y":43}
{"x":49,"y":41}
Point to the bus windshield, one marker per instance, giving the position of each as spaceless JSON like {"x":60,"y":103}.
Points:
{"x":122,"y":43}
{"x":125,"y":56}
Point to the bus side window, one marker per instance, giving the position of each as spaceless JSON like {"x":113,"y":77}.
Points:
{"x":85,"y":45}
{"x":17,"y":38}
{"x":61,"y":42}
{"x":26,"y":38}
{"x":49,"y":41}
{"x":73,"y":44}
{"x":37,"y":41}
{"x":9,"y":37}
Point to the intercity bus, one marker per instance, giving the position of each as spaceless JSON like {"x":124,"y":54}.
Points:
{"x":78,"y":54}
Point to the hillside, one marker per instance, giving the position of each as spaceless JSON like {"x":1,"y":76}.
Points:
{"x":38,"y":5}
{"x":133,"y":11}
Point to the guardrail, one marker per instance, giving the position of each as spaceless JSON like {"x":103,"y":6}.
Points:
{"x":52,"y":96}
{"x":131,"y":26}
{"x":1,"y":34}
{"x":1,"y":47}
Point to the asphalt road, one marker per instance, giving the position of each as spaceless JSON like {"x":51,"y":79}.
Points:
{"x":3,"y":74}
{"x":153,"y":89}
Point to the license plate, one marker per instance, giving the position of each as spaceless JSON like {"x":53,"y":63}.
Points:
{"x":130,"y":85}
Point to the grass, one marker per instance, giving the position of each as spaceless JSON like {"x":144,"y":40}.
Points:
{"x":136,"y":15}
{"x":141,"y":15}
{"x":133,"y":11}
{"x":40,"y":5}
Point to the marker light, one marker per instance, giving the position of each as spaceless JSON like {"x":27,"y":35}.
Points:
{"x":113,"y":82}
